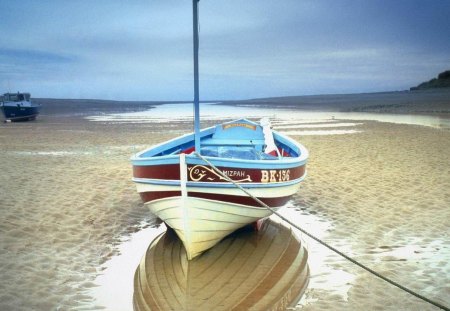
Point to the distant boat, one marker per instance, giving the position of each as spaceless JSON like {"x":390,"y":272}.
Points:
{"x":18,"y":107}
{"x":182,"y":182}
{"x":265,"y":270}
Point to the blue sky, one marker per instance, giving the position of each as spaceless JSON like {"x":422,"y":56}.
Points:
{"x":142,"y":50}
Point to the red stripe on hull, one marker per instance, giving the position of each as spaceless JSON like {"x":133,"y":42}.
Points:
{"x":272,"y":202}
{"x":156,"y":195}
{"x":168,"y":171}
{"x":244,"y":200}
{"x":207,"y":174}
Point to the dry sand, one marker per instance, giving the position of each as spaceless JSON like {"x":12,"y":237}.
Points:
{"x":67,"y":201}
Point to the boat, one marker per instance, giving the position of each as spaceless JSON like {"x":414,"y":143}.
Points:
{"x":248,"y":270}
{"x":199,"y":203}
{"x":18,"y":107}
{"x":209,"y":183}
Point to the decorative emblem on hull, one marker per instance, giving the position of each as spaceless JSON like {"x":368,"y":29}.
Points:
{"x":204,"y":173}
{"x":233,"y":125}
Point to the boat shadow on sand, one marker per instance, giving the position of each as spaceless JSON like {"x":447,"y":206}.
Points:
{"x":248,"y":270}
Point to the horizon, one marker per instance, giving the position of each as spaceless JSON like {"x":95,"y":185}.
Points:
{"x":143,"y":51}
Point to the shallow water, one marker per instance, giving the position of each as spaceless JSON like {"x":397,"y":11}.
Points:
{"x":210,"y":111}
{"x":264,"y":270}
{"x":117,"y":278}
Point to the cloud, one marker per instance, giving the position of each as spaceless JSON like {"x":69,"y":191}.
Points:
{"x":22,"y":56}
{"x":143,"y":49}
{"x":21,"y":66}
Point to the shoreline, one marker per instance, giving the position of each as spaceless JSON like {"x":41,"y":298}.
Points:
{"x":402,"y":102}
{"x":426,"y":102}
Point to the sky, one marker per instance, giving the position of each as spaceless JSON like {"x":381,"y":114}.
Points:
{"x":142,"y":50}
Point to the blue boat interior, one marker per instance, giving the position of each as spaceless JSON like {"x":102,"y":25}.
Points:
{"x":240,"y":139}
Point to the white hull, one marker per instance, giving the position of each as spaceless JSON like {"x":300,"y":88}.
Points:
{"x":202,"y":223}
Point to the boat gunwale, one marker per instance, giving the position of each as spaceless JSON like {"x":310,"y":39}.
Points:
{"x":287,"y":162}
{"x":157,"y":149}
{"x":154,"y":151}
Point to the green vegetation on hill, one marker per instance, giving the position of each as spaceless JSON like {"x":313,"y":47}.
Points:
{"x":443,"y":80}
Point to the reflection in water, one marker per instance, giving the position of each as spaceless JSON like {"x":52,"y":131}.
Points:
{"x":264,"y":270}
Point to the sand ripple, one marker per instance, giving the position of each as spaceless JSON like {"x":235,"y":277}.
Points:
{"x":386,"y":193}
{"x":67,"y":203}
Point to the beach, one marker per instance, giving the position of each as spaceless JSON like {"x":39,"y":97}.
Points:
{"x":378,"y":191}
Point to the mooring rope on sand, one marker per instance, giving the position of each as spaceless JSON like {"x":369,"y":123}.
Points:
{"x":323,"y":242}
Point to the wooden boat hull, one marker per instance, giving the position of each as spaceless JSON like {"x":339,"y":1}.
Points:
{"x":248,"y":270}
{"x":207,"y":214}
{"x":202,"y":223}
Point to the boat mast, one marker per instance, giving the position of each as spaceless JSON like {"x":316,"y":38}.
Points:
{"x":196,"y":84}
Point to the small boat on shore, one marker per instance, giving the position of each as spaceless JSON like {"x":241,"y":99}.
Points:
{"x":207,"y":184}
{"x":248,"y":270}
{"x":199,"y":203}
{"x":18,"y":107}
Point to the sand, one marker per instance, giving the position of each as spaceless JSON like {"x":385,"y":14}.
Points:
{"x":386,"y":192}
{"x":67,"y":203}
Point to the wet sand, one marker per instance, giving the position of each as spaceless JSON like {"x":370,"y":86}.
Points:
{"x":67,"y":202}
{"x":385,"y":190}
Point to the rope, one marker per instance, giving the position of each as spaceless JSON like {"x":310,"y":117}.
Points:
{"x":323,"y":242}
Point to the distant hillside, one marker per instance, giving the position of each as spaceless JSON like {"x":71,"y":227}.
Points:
{"x":443,"y":80}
